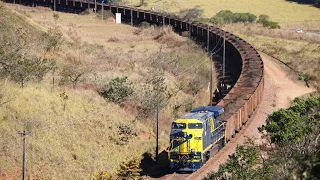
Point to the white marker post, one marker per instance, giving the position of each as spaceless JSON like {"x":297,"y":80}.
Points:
{"x":118,"y":18}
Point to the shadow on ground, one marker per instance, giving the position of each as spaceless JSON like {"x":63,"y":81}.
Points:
{"x":155,"y":169}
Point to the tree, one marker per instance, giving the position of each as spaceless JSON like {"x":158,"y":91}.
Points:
{"x":191,"y":14}
{"x":74,"y":70}
{"x":117,"y":90}
{"x":292,"y":124}
{"x":16,"y":62}
{"x":27,"y":68}
{"x":263,"y":18}
{"x":17,"y":65}
{"x":245,"y":163}
{"x":293,"y":136}
{"x":154,"y":94}
{"x":226,"y":15}
{"x":53,"y":39}
{"x":290,"y":148}
{"x":251,"y":18}
{"x":129,"y":170}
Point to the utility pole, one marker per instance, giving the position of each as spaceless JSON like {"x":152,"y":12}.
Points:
{"x":224,"y":60}
{"x":131,"y":17}
{"x":54,"y":5}
{"x":208,"y":41}
{"x":210,"y":54}
{"x":24,"y":134}
{"x":224,"y":57}
{"x":163,"y":19}
{"x":190,"y":26}
{"x":157,"y":131}
{"x":157,"y":116}
{"x":211,"y":68}
{"x":102,"y":9}
{"x":131,"y":13}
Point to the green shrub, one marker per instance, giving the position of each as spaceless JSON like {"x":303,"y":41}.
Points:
{"x":263,"y":18}
{"x":271,"y":24}
{"x":104,"y":175}
{"x":245,"y":163}
{"x":145,"y":24}
{"x":203,"y":20}
{"x":226,"y":17}
{"x":217,"y":21}
{"x":129,"y":170}
{"x":117,"y":90}
{"x":53,"y":39}
{"x":251,"y":18}
{"x":244,"y":17}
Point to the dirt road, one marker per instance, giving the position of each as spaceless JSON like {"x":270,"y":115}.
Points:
{"x":279,"y":90}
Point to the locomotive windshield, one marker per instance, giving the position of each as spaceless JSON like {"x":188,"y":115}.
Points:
{"x":178,"y":125}
{"x":176,"y":143}
{"x":195,"y":126}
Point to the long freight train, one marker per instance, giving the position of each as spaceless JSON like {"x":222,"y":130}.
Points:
{"x":195,"y":137}
{"x":243,"y":63}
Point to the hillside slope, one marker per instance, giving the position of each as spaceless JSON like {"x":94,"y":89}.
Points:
{"x":75,"y":131}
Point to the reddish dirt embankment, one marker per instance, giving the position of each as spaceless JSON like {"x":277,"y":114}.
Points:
{"x":279,"y":90}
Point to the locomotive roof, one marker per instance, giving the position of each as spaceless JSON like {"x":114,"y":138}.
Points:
{"x":202,"y":113}
{"x":216,"y":110}
{"x":202,"y":116}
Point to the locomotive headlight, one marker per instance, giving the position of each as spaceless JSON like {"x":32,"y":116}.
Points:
{"x":176,"y":150}
{"x":193,"y":150}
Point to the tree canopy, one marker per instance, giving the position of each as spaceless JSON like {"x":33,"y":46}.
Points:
{"x":290,"y":148}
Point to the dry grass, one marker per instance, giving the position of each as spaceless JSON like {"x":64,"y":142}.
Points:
{"x":84,"y":138}
{"x":287,"y":13}
{"x":300,"y":51}
{"x":283,"y":33}
{"x":65,"y":144}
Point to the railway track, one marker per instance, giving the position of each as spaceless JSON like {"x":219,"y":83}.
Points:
{"x":244,"y":66}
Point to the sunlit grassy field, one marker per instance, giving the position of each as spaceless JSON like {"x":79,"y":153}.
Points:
{"x":74,"y":138}
{"x":75,"y":142}
{"x":284,"y":12}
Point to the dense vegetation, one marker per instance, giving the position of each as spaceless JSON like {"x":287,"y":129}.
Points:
{"x":290,"y":148}
{"x":227,"y":17}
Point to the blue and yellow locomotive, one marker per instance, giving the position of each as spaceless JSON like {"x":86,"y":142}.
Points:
{"x":195,"y":137}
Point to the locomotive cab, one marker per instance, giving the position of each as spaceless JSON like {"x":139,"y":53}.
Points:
{"x":192,"y":137}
